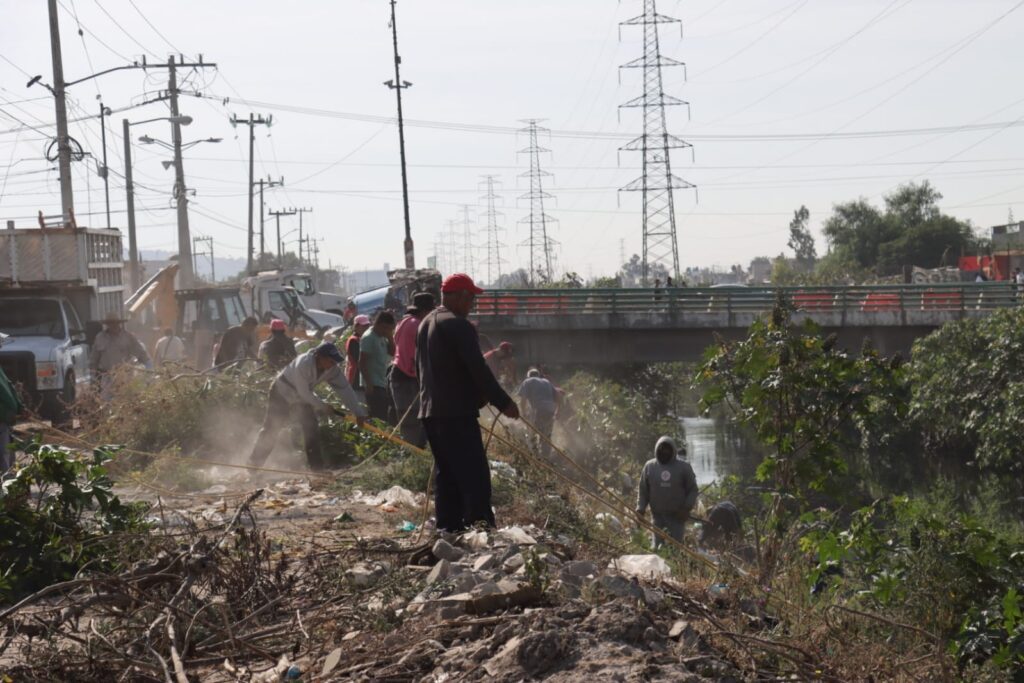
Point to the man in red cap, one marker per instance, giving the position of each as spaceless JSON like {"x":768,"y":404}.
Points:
{"x":455,"y":383}
{"x":279,"y":350}
{"x":502,"y":363}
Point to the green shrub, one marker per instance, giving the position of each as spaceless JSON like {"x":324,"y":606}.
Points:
{"x":57,"y":515}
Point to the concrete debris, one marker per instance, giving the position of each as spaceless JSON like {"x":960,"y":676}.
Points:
{"x":516,"y":534}
{"x":441,"y":571}
{"x":365,"y":574}
{"x":513,"y":563}
{"x":443,"y":550}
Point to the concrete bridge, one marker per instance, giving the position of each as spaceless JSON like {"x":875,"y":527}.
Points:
{"x":611,"y":326}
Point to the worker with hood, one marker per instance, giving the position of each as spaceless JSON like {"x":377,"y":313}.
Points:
{"x":292,"y":399}
{"x":279,"y":350}
{"x":669,"y":486}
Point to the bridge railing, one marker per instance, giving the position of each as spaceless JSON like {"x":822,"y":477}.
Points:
{"x":959,"y":298}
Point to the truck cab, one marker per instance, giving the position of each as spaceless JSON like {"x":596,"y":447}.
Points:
{"x":305,"y":286}
{"x":46,"y":354}
{"x":266,"y":296}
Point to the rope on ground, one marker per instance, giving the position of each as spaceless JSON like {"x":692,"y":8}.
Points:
{"x":389,"y":437}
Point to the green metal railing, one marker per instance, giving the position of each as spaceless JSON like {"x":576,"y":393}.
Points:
{"x":962,"y":298}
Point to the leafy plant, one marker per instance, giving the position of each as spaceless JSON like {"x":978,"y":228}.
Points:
{"x":58,"y":514}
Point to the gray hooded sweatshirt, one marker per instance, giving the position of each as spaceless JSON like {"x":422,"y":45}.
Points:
{"x":670,"y":490}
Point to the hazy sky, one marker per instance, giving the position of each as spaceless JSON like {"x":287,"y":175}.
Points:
{"x":783,"y":93}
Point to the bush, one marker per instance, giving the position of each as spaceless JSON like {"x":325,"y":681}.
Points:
{"x":57,"y":515}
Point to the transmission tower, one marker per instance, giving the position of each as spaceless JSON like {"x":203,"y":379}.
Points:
{"x":493,"y":232}
{"x":539,"y":242}
{"x":657,"y":182}
{"x":468,"y":248}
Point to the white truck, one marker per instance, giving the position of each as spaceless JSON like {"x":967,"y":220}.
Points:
{"x":56,"y":285}
{"x":270,"y":294}
{"x":305,"y":286}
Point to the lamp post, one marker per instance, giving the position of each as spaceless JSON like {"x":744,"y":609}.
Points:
{"x":133,"y":250}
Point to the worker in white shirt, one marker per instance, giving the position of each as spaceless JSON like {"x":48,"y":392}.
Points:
{"x":169,"y":349}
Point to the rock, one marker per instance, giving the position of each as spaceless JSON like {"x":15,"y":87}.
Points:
{"x":331,"y":662}
{"x":579,"y":568}
{"x":510,"y":594}
{"x":441,"y":571}
{"x":351,"y":635}
{"x":364,"y":574}
{"x":485,"y":588}
{"x":551,"y":560}
{"x":653,"y":597}
{"x":620,"y":586}
{"x":451,"y":612}
{"x":485,"y":562}
{"x":511,"y":550}
{"x":540,"y":652}
{"x":568,"y":589}
{"x":514,"y":563}
{"x":677,"y":629}
{"x":464,"y":582}
{"x":443,"y":550}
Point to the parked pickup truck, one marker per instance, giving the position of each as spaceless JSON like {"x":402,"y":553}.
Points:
{"x":47,"y":353}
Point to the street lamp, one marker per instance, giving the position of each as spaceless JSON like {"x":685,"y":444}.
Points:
{"x":133,"y":251}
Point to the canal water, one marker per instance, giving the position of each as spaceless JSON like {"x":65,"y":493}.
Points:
{"x":718,"y":448}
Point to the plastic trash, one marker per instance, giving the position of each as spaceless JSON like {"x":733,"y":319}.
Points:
{"x":609,"y":521}
{"x":294,"y":673}
{"x":717,"y":589}
{"x":641,"y":566}
{"x":406,"y":527}
{"x":394,"y":496}
{"x":345,"y":517}
{"x":515,"y":534}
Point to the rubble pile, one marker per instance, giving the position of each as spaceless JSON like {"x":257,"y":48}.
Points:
{"x":514,"y":605}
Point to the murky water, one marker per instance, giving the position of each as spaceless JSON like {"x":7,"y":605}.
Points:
{"x":718,"y":448}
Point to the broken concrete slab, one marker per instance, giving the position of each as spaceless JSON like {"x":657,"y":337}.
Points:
{"x":441,"y":571}
{"x":443,"y":550}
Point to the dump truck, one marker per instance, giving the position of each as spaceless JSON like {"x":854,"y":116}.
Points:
{"x":56,"y":286}
{"x":270,"y":295}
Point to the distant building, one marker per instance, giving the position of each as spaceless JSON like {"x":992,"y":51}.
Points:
{"x":760,"y":269}
{"x":1007,"y":249}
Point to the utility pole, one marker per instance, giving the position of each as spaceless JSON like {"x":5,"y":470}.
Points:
{"x":538,"y":242}
{"x":277,"y":215}
{"x":252,"y":122}
{"x":185,"y":274}
{"x":302,"y":240}
{"x":133,"y":250}
{"x":398,"y":85}
{"x":265,"y":183}
{"x":657,"y":182}
{"x":67,"y":199}
{"x":494,"y":244}
{"x":104,"y":113}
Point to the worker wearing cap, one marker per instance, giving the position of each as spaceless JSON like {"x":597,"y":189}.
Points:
{"x":455,"y":383}
{"x":541,"y":399}
{"x":279,"y":350}
{"x":113,"y":348}
{"x":238,"y":343}
{"x":502,"y":363}
{"x":292,"y":393}
{"x":405,"y":386}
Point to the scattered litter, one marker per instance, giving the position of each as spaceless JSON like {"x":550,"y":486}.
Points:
{"x":345,"y":517}
{"x":394,"y":496}
{"x":331,"y":662}
{"x":609,"y":521}
{"x":215,"y":489}
{"x":641,"y":566}
{"x":406,"y":526}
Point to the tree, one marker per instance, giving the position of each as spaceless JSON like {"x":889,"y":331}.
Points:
{"x":517,"y":279}
{"x":801,"y":241}
{"x":912,"y":231}
{"x":633,"y":271}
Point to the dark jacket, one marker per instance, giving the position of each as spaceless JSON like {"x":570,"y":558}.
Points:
{"x":278,"y":351}
{"x":236,"y":344}
{"x":454,"y":378}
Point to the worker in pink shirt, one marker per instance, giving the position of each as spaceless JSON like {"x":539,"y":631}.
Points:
{"x":405,"y":386}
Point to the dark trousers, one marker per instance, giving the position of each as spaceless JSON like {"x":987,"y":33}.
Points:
{"x":279,"y":414}
{"x":462,"y":477}
{"x":405,"y":391}
{"x":378,"y":403}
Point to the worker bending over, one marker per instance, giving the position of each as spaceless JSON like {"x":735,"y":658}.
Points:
{"x":542,"y":403}
{"x":455,"y":383}
{"x":292,"y":395}
{"x":669,"y":486}
{"x":113,"y":348}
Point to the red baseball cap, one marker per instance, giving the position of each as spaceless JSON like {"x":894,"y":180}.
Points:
{"x":459,"y":282}
{"x":277,"y":325}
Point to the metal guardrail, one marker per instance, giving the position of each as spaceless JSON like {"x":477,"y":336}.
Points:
{"x":959,"y":298}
